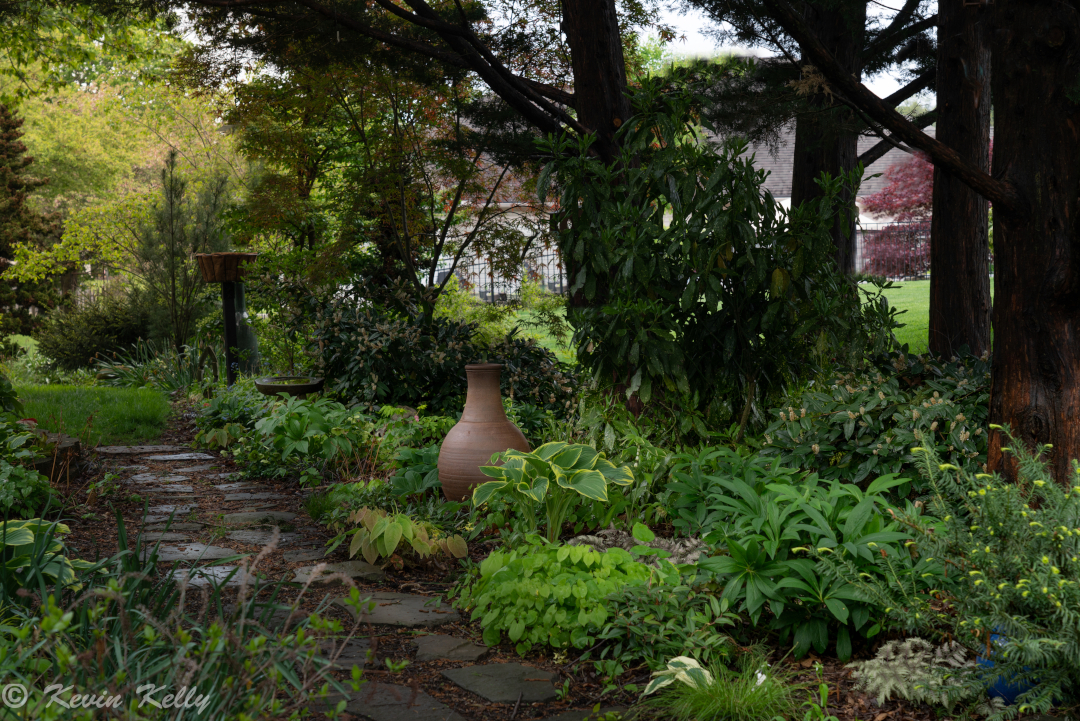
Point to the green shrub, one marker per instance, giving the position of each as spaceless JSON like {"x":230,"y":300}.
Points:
{"x":655,"y":623}
{"x":416,"y":471}
{"x":1013,"y":588}
{"x":375,"y":356}
{"x":379,"y":534}
{"x":542,"y":594}
{"x":867,"y":423}
{"x":23,"y":491}
{"x":73,"y":337}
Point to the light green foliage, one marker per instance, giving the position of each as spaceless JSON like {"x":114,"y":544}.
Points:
{"x":658,"y":622}
{"x":1012,"y":550}
{"x":379,"y":534}
{"x":914,"y":670}
{"x":705,"y":289}
{"x":860,"y":424}
{"x":767,"y":518}
{"x":553,"y":478}
{"x":34,"y":558}
{"x":98,"y":415}
{"x":750,"y":691}
{"x":541,"y":594}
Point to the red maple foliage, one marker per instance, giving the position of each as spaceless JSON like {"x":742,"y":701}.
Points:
{"x":909,"y":193}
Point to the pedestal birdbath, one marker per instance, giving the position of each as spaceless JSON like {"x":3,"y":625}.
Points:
{"x":227,"y":269}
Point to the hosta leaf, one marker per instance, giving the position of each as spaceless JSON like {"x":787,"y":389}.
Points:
{"x":590,"y":484}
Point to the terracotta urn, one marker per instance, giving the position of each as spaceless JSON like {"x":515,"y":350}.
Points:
{"x":482,"y":431}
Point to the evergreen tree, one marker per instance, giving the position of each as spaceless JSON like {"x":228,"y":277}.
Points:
{"x":20,"y":224}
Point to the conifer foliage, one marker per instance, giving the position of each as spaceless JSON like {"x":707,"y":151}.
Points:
{"x":20,"y":224}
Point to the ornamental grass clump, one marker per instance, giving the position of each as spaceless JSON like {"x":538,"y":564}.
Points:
{"x":1009,"y":587}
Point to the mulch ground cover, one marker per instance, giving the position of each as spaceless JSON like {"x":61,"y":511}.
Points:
{"x":97,"y":531}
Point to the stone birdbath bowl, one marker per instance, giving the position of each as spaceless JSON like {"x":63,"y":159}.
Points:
{"x":296,"y":386}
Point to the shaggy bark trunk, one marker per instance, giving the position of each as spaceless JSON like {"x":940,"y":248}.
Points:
{"x":596,"y":53}
{"x":959,"y":245}
{"x":825,"y":138}
{"x":1036,"y":367}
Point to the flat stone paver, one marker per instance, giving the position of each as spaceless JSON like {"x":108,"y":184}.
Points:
{"x":234,"y":474}
{"x":168,"y":508}
{"x":195,"y":469}
{"x":433,"y":648}
{"x":354,"y":653}
{"x":157,"y":478}
{"x":258,"y":516}
{"x":194,"y":552}
{"x":134,"y":450}
{"x":155,"y":536}
{"x":253,"y":496}
{"x":407,"y":610}
{"x":170,"y":489}
{"x":133,"y":468}
{"x":261,"y":538}
{"x":359,"y":570}
{"x":215,"y":575}
{"x":241,"y":486}
{"x":175,"y":527}
{"x":502,"y":682}
{"x":181,"y":457}
{"x":386,"y":702}
{"x":301,"y":556}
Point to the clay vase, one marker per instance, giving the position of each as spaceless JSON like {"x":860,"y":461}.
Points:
{"x":483,"y":430}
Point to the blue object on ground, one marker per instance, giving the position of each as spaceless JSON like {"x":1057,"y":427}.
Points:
{"x":1004,"y":689}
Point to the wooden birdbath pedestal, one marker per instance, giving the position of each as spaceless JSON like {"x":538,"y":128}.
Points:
{"x":227,"y":269}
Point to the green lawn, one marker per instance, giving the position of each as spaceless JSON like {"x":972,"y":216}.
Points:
{"x":914,"y":297}
{"x":97,"y":414}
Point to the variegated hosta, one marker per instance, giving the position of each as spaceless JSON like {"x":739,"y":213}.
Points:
{"x":32,"y":548}
{"x":555,"y":475}
{"x":380,"y":534}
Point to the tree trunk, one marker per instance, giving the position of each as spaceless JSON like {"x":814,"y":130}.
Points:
{"x":596,"y":53}
{"x":1036,"y":366}
{"x":826,"y":140}
{"x":959,"y":245}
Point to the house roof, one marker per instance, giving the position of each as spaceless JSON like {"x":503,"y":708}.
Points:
{"x":780,"y":164}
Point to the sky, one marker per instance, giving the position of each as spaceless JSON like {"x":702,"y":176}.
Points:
{"x":696,"y":42}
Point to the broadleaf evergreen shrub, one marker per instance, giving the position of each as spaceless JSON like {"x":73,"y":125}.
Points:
{"x":73,"y":336}
{"x":859,"y":425}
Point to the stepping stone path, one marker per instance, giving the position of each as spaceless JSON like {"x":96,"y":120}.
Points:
{"x":241,"y":487}
{"x":194,"y":552}
{"x":301,"y":556}
{"x":171,"y":509}
{"x":181,"y":457}
{"x":258,"y":517}
{"x":505,"y":682}
{"x":354,"y":653}
{"x":216,"y":575}
{"x":171,"y":489}
{"x":175,"y":527}
{"x":226,"y":475}
{"x":195,"y":469}
{"x":434,"y":648}
{"x":134,"y":450}
{"x":404,"y":609}
{"x":360,"y":570}
{"x":253,"y":496}
{"x":133,"y":468}
{"x":157,"y":478}
{"x":386,"y":702}
{"x":261,"y":538}
{"x":154,"y":536}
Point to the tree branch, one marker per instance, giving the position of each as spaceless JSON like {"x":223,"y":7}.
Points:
{"x":994,"y":190}
{"x":887,"y":142}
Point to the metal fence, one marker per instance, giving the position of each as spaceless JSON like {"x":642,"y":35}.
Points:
{"x":481,"y":277}
{"x":897,"y":251}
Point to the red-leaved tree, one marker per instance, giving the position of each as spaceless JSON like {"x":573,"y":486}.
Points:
{"x":909,"y":193}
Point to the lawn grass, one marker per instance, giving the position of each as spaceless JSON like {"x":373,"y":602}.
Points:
{"x":98,"y":415}
{"x":913,"y":296}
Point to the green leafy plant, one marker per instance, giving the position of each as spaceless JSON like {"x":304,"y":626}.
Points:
{"x":861,"y":424}
{"x":416,"y":471}
{"x":34,"y":557}
{"x":542,"y":594}
{"x":380,"y":534}
{"x":655,"y":623}
{"x":554,"y":477}
{"x":915,"y":670}
{"x":1012,"y":591}
{"x":751,"y":691}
